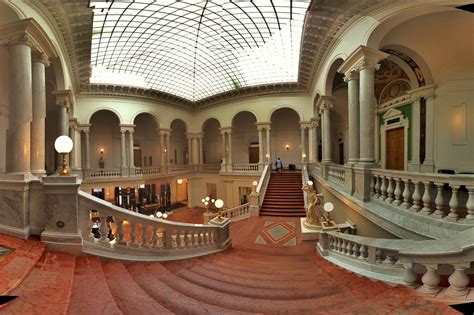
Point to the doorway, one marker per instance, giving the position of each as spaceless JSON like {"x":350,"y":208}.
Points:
{"x":253,"y":155}
{"x":137,"y":157}
{"x":395,"y":149}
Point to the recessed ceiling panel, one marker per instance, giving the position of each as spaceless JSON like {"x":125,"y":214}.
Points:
{"x":196,"y":49}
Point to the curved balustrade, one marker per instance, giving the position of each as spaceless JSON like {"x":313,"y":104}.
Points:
{"x":263,"y":184}
{"x":245,"y":167}
{"x":115,"y":232}
{"x":146,"y":171}
{"x":403,"y":260}
{"x":236,"y":213}
{"x":449,"y":197}
{"x":103,"y":173}
{"x":337,"y":174}
{"x":211,"y":167}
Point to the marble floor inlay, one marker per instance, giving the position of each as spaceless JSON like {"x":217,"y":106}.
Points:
{"x":277,"y":233}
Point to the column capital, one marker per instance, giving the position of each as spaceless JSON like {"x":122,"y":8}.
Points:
{"x":73,"y":123}
{"x":126,"y":127}
{"x":263,"y":125}
{"x":85,"y":128}
{"x":305,"y":124}
{"x":41,"y":58}
{"x":164,"y":131}
{"x":64,"y":98}
{"x":351,"y":75}
{"x":362,"y":58}
{"x":325,"y":103}
{"x":424,"y":91}
{"x":225,"y":130}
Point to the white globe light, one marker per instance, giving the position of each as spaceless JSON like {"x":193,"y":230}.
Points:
{"x":255,"y":183}
{"x":206,"y":203}
{"x":328,"y":207}
{"x":159,"y":214}
{"x":213,"y":200}
{"x":207,"y":198}
{"x":165,"y":215}
{"x":219,"y":203}
{"x":63,"y":144}
{"x":310,"y":183}
{"x":203,"y":200}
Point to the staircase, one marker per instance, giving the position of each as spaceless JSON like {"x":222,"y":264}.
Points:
{"x":236,"y":281}
{"x":284,"y":197}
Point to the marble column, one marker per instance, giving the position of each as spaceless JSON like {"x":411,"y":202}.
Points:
{"x":40,"y":61}
{"x":201,"y":152}
{"x":302,"y":143}
{"x":195,"y":146}
{"x":224,"y":160}
{"x":63,"y":117}
{"x":230,"y":146}
{"x":190,"y":150}
{"x":260,"y":146}
{"x":311,"y":144}
{"x":367,"y":111}
{"x":268,"y":155}
{"x":123,"y":149}
{"x":326,"y":130}
{"x":87,"y":164}
{"x":167,"y":139}
{"x":162,"y":149}
{"x":130,"y":142}
{"x":415,"y":136}
{"x":352,"y":79}
{"x":317,"y":136}
{"x":20,"y":107}
{"x":72,"y":155}
{"x":428,"y":163}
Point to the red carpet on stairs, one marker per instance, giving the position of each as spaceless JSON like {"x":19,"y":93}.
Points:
{"x":249,"y":278}
{"x":284,"y":197}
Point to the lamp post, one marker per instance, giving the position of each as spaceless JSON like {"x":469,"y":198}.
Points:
{"x":207,"y":202}
{"x":219,"y":204}
{"x":63,"y":146}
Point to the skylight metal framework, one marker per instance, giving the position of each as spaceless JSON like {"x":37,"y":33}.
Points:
{"x":196,"y":49}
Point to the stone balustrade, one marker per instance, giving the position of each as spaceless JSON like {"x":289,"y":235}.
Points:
{"x":337,"y":174}
{"x":103,"y":173}
{"x":234,"y":214}
{"x":147,"y":171}
{"x":245,"y":167}
{"x":447,"y":197}
{"x":398,"y":260}
{"x":211,"y":167}
{"x":179,"y":167}
{"x":111,"y":231}
{"x":263,"y":184}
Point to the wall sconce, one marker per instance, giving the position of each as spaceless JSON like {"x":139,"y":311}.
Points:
{"x":63,"y":146}
{"x":268,"y":157}
{"x":287,"y":147}
{"x":179,"y":181}
{"x":304,"y":156}
{"x":254,"y":186}
{"x":165,"y":150}
{"x":102,"y":151}
{"x":101,"y":159}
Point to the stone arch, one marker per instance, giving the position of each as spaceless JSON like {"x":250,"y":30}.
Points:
{"x":105,"y":134}
{"x":149,"y":112}
{"x":292,"y":107}
{"x":177,"y":120}
{"x":285,"y":136}
{"x":331,"y":75}
{"x":203,"y":125}
{"x":211,"y":142}
{"x":98,"y":109}
{"x":241,"y":110}
{"x":179,"y":150}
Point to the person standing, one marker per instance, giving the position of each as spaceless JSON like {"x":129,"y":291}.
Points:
{"x":278,"y":165}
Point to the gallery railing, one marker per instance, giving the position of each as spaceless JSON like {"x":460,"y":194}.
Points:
{"x":337,"y":174}
{"x":245,"y":167}
{"x":234,"y":214}
{"x":263,"y":184}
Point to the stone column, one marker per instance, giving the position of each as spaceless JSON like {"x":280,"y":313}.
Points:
{"x":63,"y":117}
{"x":123,"y":149}
{"x":268,"y":155}
{"x":302,"y":143}
{"x":87,"y":164}
{"x":311,"y":143}
{"x":325,"y":109}
{"x":162,"y":149}
{"x":428,"y":164}
{"x":367,"y":111}
{"x":167,"y":139}
{"x":352,"y":79}
{"x":201,"y":154}
{"x":72,"y":155}
{"x":190,"y":150}
{"x":317,"y":132}
{"x":260,"y":146}
{"x":224,"y":160}
{"x":20,"y":108}
{"x":40,"y":61}
{"x":229,"y":133}
{"x":414,"y":165}
{"x":130,"y":142}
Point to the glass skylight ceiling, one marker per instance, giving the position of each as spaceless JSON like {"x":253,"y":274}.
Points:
{"x":195,"y":49}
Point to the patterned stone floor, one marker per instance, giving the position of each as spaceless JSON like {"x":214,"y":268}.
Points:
{"x":277,"y":233}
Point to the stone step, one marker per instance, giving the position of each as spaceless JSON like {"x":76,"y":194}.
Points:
{"x":46,"y":290}
{"x":129,"y":296}
{"x":90,"y":293}
{"x":16,"y":265}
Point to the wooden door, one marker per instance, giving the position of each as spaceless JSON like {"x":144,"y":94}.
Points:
{"x":253,"y":154}
{"x":395,"y":153}
{"x":137,"y":157}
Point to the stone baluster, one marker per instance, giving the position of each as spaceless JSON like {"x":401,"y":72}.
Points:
{"x":439,"y":201}
{"x":398,"y":192}
{"x":458,"y":281}
{"x":119,"y":232}
{"x":372,"y":186}
{"x":364,"y":254}
{"x":453,"y":204}
{"x":174,"y":242}
{"x":409,"y":275}
{"x":470,"y":203}
{"x":377,"y":187}
{"x":406,"y":193}
{"x":378,"y":256}
{"x":103,"y":230}
{"x":383,"y":189}
{"x":416,"y":197}
{"x":426,"y":199}
{"x":132,"y":234}
{"x":390,"y":190}
{"x":390,"y":259}
{"x":355,"y":250}
{"x":430,"y":280}
{"x":182,"y":242}
{"x":349,"y":248}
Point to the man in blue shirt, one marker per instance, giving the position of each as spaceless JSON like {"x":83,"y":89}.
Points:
{"x":279,"y":165}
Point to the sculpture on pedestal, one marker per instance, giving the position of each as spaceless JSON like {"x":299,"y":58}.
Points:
{"x":312,"y":208}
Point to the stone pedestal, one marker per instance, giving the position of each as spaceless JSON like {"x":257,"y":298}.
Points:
{"x":223,"y":236}
{"x":309,"y":232}
{"x":61,"y":230}
{"x":362,"y":181}
{"x":349,"y":178}
{"x":254,"y":208}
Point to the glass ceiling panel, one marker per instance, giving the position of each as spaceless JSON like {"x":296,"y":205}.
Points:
{"x":196,"y":48}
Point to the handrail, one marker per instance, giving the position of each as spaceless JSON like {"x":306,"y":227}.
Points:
{"x":263,"y":184}
{"x":406,"y":259}
{"x":137,"y":236}
{"x":235,"y":214}
{"x":245,"y":167}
